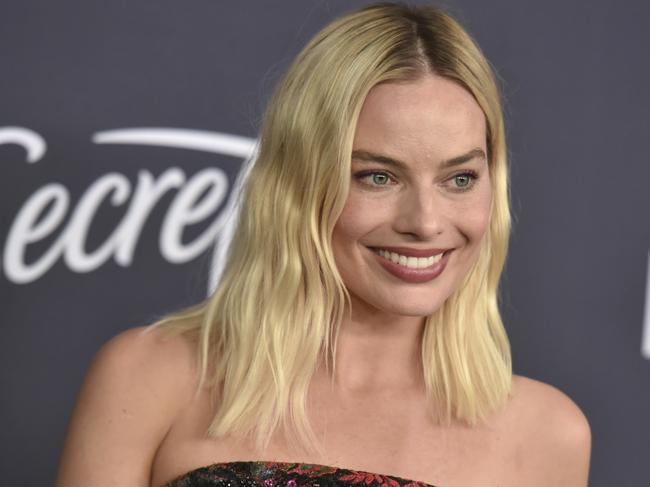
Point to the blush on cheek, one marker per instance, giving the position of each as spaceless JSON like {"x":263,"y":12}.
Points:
{"x":474,"y":227}
{"x":477,"y":217}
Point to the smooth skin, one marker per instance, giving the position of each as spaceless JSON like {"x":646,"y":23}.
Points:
{"x":137,"y":422}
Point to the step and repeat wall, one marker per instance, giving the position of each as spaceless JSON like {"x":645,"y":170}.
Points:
{"x":126,"y":127}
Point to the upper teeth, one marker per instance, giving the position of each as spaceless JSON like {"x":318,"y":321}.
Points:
{"x":411,"y":262}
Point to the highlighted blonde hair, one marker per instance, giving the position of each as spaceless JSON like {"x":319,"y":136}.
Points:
{"x":276,"y":309}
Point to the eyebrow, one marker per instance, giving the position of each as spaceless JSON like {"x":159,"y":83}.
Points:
{"x":367,"y":156}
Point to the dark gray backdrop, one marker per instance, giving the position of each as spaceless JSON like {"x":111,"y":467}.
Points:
{"x":575,"y":77}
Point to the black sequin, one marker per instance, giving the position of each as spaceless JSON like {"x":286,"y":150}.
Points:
{"x":279,"y":474}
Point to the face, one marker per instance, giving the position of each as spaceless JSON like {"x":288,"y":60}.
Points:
{"x":419,"y":200}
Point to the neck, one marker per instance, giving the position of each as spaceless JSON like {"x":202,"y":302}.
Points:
{"x":379,"y":351}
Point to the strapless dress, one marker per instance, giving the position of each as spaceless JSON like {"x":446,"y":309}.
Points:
{"x":284,"y":474}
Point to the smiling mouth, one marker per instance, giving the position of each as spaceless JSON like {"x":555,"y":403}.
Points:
{"x":410,"y":261}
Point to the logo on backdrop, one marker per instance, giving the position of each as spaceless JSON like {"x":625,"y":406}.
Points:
{"x":47,"y":207}
{"x":33,"y":223}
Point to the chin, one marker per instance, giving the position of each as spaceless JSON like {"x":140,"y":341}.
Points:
{"x":413,"y":308}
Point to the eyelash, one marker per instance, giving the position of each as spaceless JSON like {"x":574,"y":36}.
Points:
{"x":473,"y":175}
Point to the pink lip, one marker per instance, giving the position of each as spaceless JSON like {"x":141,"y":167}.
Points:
{"x":414,"y":275}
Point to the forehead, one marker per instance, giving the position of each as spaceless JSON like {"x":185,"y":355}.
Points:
{"x":431,"y":116}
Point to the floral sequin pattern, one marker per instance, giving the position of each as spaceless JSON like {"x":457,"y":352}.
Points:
{"x":278,"y":474}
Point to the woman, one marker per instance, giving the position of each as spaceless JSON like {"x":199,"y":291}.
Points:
{"x":354,"y":337}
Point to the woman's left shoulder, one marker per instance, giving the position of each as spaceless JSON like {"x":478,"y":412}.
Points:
{"x":552,"y":407}
{"x":553,"y":428}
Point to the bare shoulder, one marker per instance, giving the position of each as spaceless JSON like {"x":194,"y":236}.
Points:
{"x":550,"y":409}
{"x":556,"y":432}
{"x":150,"y":351}
{"x":144,"y":364}
{"x":135,"y":386}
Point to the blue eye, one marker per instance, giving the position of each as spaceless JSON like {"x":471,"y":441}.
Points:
{"x":380,"y":178}
{"x":374,"y":178}
{"x":464,"y":181}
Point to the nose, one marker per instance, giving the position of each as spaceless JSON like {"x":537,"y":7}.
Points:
{"x":420,"y":214}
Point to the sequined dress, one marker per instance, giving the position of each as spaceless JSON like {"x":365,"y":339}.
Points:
{"x":278,"y":474}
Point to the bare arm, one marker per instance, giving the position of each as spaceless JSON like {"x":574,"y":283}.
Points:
{"x":130,"y":396}
{"x":574,"y":446}
{"x":558,"y":437}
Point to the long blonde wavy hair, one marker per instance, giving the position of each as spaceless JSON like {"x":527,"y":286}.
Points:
{"x":277,"y":307}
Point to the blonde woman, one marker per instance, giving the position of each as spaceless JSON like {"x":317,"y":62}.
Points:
{"x":354,"y":337}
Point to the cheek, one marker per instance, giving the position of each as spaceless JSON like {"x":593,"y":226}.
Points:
{"x":347,"y":229}
{"x":358,"y":218}
{"x":474,"y":217}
